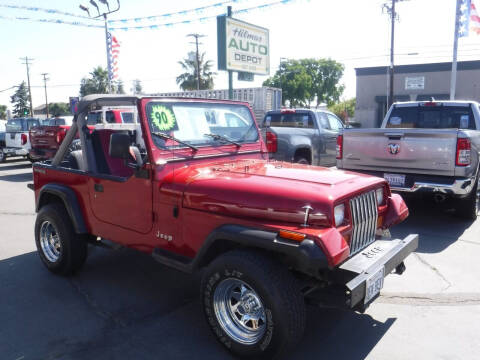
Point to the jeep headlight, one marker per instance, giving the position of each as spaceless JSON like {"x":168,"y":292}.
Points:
{"x":380,"y":198}
{"x":339,"y":214}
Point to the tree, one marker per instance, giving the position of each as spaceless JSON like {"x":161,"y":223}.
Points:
{"x":59,"y":109}
{"x":188,"y":79}
{"x":117,"y":87}
{"x":307,"y":80}
{"x":137,"y":87}
{"x":344,"y":109}
{"x":3,"y":111}
{"x":97,"y":83}
{"x":295,"y":82}
{"x":20,"y":102}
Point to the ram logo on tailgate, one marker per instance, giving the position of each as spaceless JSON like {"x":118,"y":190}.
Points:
{"x":393,"y":149}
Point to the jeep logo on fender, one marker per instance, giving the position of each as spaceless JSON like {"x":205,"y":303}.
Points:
{"x":393,"y":149}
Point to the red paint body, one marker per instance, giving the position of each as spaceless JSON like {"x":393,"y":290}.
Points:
{"x":218,"y":185}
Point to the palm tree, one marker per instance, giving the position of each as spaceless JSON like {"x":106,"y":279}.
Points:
{"x":188,"y":80}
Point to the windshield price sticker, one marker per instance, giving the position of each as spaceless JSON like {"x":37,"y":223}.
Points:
{"x":163,"y":118}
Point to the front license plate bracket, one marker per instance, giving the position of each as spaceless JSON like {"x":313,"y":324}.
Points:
{"x":374,"y":284}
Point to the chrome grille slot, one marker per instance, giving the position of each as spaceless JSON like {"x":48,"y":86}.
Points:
{"x":364,"y":212}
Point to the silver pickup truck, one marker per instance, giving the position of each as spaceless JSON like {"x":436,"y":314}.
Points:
{"x":303,"y":136}
{"x":422,"y":147}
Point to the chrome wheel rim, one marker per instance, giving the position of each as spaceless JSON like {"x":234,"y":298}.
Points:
{"x":239,"y":311}
{"x":50,"y":241}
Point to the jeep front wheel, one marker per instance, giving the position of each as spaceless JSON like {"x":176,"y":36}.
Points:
{"x":253,"y":305}
{"x":60,"y":248}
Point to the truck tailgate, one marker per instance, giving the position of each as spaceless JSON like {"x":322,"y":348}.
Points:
{"x":45,"y":137}
{"x":14,"y":139}
{"x":420,"y":151}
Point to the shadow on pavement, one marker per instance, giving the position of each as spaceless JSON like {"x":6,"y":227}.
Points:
{"x":17,"y":177}
{"x":437,"y":225}
{"x":16,"y":166}
{"x":123,"y":305}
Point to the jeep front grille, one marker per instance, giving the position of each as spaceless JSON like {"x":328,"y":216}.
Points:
{"x":364,"y":214}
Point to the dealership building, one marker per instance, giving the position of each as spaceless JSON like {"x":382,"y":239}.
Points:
{"x":412,"y":82}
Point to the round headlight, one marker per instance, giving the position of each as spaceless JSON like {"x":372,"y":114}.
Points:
{"x":339,"y":213}
{"x":380,"y":198}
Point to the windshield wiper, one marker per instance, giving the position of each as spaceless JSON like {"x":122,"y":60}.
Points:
{"x":169,"y":137}
{"x":217,"y":137}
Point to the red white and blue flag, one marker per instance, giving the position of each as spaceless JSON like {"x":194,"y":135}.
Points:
{"x":468,"y":18}
{"x":113,"y":52}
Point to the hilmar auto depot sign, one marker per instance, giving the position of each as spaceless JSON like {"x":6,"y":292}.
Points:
{"x":242,"y":47}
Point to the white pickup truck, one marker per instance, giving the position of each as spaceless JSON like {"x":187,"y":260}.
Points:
{"x":422,"y":147}
{"x":17,"y":142}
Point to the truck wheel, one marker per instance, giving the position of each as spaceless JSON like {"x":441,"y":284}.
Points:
{"x":468,"y":208}
{"x":60,"y":248}
{"x":301,"y":160}
{"x":2,"y":156}
{"x":253,"y":305}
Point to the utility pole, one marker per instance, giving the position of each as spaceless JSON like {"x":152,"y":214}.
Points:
{"x":26,"y":59}
{"x":45,"y":86}
{"x":389,"y":8}
{"x":453,"y":78}
{"x":197,"y":36}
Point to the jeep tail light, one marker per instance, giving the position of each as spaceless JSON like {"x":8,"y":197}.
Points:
{"x":339,"y":146}
{"x":23,"y":139}
{"x":60,"y":136}
{"x":463,"y":152}
{"x":271,"y":142}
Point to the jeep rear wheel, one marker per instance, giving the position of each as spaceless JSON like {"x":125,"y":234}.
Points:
{"x":60,"y":248}
{"x":253,"y":304}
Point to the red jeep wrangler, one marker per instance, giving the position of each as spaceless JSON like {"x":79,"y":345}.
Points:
{"x":190,"y":183}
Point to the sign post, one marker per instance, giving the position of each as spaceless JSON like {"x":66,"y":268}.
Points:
{"x":242,"y":47}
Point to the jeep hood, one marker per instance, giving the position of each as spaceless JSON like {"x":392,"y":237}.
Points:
{"x":270,"y":191}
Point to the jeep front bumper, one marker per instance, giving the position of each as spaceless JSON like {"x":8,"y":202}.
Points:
{"x":381,"y":254}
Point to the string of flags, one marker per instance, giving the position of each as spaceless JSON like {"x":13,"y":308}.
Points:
{"x":201,"y":19}
{"x":468,"y":19}
{"x":150,"y":18}
{"x":39,"y":9}
{"x":113,"y":53}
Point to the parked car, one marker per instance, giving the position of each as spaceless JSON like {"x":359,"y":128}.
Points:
{"x":17,"y":142}
{"x":422,"y":148}
{"x":196,"y":193}
{"x":302,"y":135}
{"x":45,"y":140}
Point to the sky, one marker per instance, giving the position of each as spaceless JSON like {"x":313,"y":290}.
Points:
{"x":353,"y":32}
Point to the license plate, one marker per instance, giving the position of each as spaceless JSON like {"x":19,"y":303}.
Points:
{"x":395,"y":179}
{"x":374,"y":284}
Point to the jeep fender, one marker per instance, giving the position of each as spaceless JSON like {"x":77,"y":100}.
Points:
{"x":305,"y":257}
{"x":69,"y":200}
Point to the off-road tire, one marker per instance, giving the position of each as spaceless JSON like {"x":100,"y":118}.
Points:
{"x":467,"y":208}
{"x":278,"y":291}
{"x":73,"y":251}
{"x":301,"y":160}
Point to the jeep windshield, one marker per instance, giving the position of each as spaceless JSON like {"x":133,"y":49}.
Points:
{"x":197,"y":123}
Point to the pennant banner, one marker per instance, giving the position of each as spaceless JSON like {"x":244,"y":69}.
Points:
{"x":49,"y":11}
{"x":53,"y":21}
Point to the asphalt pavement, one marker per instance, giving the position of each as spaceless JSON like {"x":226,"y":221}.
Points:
{"x":124,"y":305}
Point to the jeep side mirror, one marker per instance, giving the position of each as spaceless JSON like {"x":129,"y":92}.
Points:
{"x":119,"y":145}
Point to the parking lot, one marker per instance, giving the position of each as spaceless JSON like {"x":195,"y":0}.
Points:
{"x":124,"y":305}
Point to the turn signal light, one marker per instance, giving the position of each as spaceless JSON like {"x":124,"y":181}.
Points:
{"x":291,"y":235}
{"x":339,"y":146}
{"x":271,"y":142}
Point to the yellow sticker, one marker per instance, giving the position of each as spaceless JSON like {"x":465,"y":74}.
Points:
{"x":163,"y":118}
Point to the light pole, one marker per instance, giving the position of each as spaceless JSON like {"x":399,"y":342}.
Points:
{"x":197,"y":36}
{"x":104,"y":15}
{"x":282,"y":59}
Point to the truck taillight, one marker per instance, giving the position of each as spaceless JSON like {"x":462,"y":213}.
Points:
{"x":23,"y":139}
{"x":463,"y":152}
{"x":60,"y":136}
{"x":271,"y":142}
{"x":339,"y":146}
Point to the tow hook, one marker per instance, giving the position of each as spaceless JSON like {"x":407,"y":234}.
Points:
{"x":400,"y":268}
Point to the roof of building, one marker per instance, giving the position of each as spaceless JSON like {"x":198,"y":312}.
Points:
{"x":419,"y":68}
